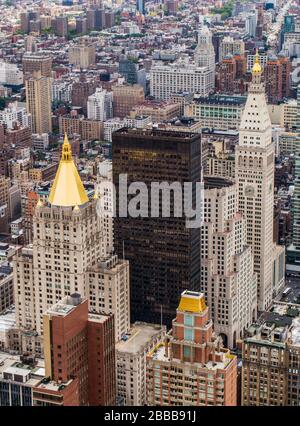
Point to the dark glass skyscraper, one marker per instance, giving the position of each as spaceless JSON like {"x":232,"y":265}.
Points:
{"x":164,"y":254}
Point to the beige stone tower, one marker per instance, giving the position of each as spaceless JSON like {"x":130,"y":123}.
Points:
{"x":255,"y":156}
{"x":38,"y":102}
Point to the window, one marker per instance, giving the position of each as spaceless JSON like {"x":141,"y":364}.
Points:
{"x":188,"y":320}
{"x":188,"y":334}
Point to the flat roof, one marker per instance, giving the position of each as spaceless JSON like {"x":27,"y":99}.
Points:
{"x":157,"y":133}
{"x":138,"y":337}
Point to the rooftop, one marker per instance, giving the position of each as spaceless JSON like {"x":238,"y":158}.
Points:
{"x":192,"y":301}
{"x":138,"y":337}
{"x":157,"y":133}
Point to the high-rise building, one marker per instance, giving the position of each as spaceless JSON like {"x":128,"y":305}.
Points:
{"x":277,"y":78}
{"x":67,"y":241}
{"x":132,"y":73}
{"x":205,"y":53}
{"x":38,"y":103}
{"x":293,"y":251}
{"x":227,"y":277}
{"x":109,"y":291}
{"x":231,"y":46}
{"x":81,"y":90}
{"x":82,"y":55}
{"x":125,"y":98}
{"x":100,"y":105}
{"x":61,"y":25}
{"x":167,"y":80}
{"x":191,"y":367}
{"x":163,"y":252}
{"x":37,"y":62}
{"x":255,"y":156}
{"x":81,"y":345}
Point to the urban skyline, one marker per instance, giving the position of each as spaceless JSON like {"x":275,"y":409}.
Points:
{"x":149,"y":204}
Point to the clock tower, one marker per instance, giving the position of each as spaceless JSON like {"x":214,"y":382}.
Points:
{"x":255,"y":156}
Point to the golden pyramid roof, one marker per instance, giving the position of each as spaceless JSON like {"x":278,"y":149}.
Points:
{"x":67,"y":189}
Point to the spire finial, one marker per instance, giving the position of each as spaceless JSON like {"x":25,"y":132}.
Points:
{"x":66,"y":154}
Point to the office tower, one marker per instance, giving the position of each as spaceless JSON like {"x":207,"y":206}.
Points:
{"x":140,"y":6}
{"x":166,"y":80}
{"x":100,"y":105}
{"x":99,"y":14}
{"x":61,"y":26}
{"x":260,"y":21}
{"x":227,"y":277}
{"x":293,"y":251}
{"x":205,"y":53}
{"x":38,"y":102}
{"x":163,"y":252}
{"x":82,"y":55}
{"x":30,"y":44}
{"x":125,"y":97}
{"x":133,"y":75}
{"x":255,"y":178}
{"x":67,"y":241}
{"x":109,"y":291}
{"x":81,"y":345}
{"x":81,"y":25}
{"x":37,"y":62}
{"x":191,"y":367}
{"x":28,"y":19}
{"x":231,"y":72}
{"x":271,"y":360}
{"x":78,"y":124}
{"x":277,"y":78}
{"x":217,"y":111}
{"x":109,"y":18}
{"x":251,"y":24}
{"x":231,"y":46}
{"x":131,"y":354}
{"x":81,"y":90}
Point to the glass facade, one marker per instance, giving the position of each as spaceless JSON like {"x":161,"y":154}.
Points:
{"x":164,"y":255}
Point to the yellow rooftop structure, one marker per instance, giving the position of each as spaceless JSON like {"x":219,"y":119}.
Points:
{"x":67,"y":189}
{"x":256,"y":66}
{"x":192,"y":301}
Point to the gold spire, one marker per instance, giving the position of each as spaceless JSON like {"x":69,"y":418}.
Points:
{"x":67,"y":189}
{"x":256,"y":66}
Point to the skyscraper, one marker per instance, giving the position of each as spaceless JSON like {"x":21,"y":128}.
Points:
{"x":227,"y":277}
{"x":38,"y":102}
{"x":191,"y":367}
{"x":163,"y":252}
{"x":293,"y":251}
{"x":255,"y":177}
{"x":67,"y":240}
{"x":79,"y":345}
{"x":205,"y":53}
